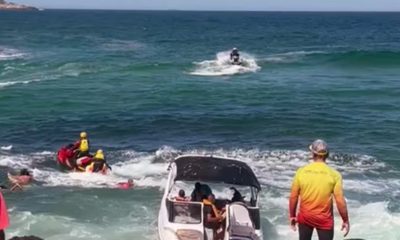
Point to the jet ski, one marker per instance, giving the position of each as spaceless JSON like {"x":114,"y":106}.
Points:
{"x":67,"y":159}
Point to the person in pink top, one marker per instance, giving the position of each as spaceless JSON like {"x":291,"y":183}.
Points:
{"x":126,"y":185}
{"x":3,"y":217}
{"x":24,"y":178}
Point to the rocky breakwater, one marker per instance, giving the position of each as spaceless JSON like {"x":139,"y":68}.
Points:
{"x":8,"y":6}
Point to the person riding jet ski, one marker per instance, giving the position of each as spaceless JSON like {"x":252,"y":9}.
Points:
{"x":82,"y":146}
{"x":235,"y":56}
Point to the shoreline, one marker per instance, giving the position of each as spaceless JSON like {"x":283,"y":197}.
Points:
{"x":5,"y":6}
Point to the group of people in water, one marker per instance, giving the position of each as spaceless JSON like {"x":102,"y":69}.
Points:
{"x":78,"y":158}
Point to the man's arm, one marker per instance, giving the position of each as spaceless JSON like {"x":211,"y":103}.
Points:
{"x":76,"y":144}
{"x":210,"y":218}
{"x":15,"y":187}
{"x":341,"y":204}
{"x":294,"y":196}
{"x":340,"y":200}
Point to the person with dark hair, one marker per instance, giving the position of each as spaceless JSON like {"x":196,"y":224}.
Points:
{"x":181,"y":196}
{"x":316,"y":185}
{"x":213,"y":218}
{"x":200,"y":192}
{"x":237,"y":196}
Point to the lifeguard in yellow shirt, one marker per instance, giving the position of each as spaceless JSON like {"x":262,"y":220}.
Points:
{"x":316,"y":185}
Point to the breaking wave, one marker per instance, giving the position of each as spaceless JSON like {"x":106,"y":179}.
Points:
{"x":10,"y":54}
{"x":368,"y":190}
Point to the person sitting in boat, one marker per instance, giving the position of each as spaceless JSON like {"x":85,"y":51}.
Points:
{"x":235,"y":55}
{"x":200,"y":192}
{"x":82,"y":146}
{"x":20,"y":180}
{"x":213,"y":218}
{"x":98,"y":164}
{"x":181,"y":196}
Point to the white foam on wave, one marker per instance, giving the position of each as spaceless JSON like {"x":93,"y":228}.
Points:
{"x":11,"y":83}
{"x":15,"y":161}
{"x":134,"y":165}
{"x":10,"y":54}
{"x":273,"y":168}
{"x":55,"y":227}
{"x":221,"y":66}
{"x":368,"y":221}
{"x":65,"y":70}
{"x":76,"y":179}
{"x":6,"y":148}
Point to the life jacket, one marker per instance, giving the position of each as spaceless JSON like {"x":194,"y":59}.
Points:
{"x":84,"y":145}
{"x":214,"y":208}
{"x":99,"y":156}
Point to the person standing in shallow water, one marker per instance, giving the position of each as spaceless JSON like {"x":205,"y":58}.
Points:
{"x":4,"y":222}
{"x":316,"y":184}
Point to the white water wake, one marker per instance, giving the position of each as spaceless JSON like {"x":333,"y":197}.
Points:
{"x":221,"y":66}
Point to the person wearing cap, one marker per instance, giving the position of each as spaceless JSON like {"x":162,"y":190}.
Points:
{"x":82,"y":145}
{"x":316,"y":184}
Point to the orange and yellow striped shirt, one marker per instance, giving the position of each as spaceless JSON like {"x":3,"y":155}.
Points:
{"x":316,"y":184}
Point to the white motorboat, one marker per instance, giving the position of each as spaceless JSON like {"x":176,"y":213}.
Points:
{"x":185,"y":220}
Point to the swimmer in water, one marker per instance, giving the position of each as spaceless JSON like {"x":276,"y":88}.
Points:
{"x":126,"y":185}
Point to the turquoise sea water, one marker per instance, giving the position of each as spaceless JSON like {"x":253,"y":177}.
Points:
{"x":148,"y":86}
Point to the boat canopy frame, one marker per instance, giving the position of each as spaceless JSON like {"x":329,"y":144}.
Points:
{"x":215,"y":169}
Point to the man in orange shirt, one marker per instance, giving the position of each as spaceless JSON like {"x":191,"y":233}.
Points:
{"x":3,"y":217}
{"x":316,"y":185}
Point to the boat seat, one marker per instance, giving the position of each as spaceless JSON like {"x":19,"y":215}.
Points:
{"x":240,"y":224}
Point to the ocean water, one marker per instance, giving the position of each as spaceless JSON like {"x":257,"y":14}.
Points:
{"x":149,"y":86}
